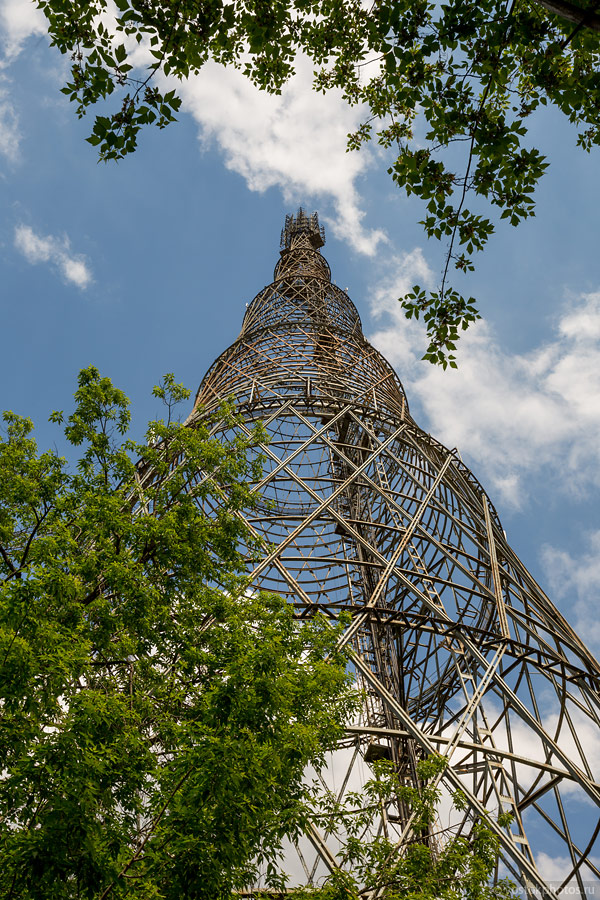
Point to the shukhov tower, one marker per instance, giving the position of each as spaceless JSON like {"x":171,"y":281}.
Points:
{"x":457,"y":648}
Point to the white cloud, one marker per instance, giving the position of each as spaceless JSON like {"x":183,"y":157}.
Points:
{"x":553,"y":871}
{"x":295,"y":141}
{"x":9,"y":129}
{"x":576,"y":580}
{"x":399,"y":338}
{"x":56,"y":251}
{"x":19,"y":19}
{"x":515,"y":415}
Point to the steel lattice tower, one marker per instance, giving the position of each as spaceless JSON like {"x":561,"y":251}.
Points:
{"x":459,"y":650}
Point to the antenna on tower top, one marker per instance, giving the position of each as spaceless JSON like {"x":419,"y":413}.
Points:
{"x":302,"y":223}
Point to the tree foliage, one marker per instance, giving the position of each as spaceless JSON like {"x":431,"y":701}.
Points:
{"x":432,"y":864}
{"x":447,"y":88}
{"x":156,"y":716}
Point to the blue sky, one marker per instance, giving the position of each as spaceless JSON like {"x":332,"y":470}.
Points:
{"x":145,"y":267}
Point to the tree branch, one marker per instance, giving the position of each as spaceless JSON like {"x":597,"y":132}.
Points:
{"x":149,"y":833}
{"x":584,"y":17}
{"x":7,"y":560}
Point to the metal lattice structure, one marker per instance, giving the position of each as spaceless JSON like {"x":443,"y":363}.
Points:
{"x":459,"y":650}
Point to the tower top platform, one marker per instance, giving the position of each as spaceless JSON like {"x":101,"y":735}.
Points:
{"x":299,"y":224}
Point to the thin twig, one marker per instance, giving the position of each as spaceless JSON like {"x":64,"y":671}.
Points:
{"x":149,"y":833}
{"x":472,"y":144}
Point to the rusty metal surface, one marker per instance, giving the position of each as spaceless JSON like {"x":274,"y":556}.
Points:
{"x":457,"y":647}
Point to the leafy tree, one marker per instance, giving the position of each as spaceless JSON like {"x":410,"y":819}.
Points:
{"x":156,"y":716}
{"x":449,"y":88}
{"x":433,"y":864}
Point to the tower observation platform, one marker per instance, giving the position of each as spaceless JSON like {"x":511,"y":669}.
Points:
{"x":457,"y":648}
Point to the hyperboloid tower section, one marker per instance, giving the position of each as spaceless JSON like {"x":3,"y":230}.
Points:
{"x":458,"y":650}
